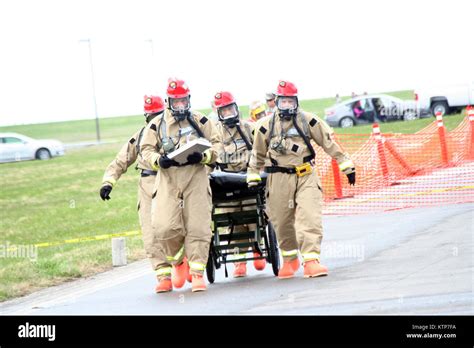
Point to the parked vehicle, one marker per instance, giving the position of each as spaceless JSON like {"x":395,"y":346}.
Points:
{"x":18,"y":147}
{"x":368,"y":109}
{"x":445,"y":99}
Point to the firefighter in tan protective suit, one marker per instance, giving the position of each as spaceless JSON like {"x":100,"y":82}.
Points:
{"x":182,"y":204}
{"x":237,"y":138}
{"x":128,"y":155}
{"x":282,"y":145}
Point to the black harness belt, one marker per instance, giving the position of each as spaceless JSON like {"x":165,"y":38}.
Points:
{"x":276,"y":169}
{"x":147,"y":172}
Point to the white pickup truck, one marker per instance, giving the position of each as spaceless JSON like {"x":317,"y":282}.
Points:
{"x":447,"y":99}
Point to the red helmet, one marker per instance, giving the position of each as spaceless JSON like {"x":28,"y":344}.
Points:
{"x":223,"y":99}
{"x":179,"y":98}
{"x":153,"y":104}
{"x":287,"y":99}
{"x":177,"y":88}
{"x":286,"y":89}
{"x":227,"y":109}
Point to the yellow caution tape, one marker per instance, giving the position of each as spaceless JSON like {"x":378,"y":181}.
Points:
{"x":83,"y":239}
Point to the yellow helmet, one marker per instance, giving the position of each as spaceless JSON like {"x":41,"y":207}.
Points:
{"x":255,"y":109}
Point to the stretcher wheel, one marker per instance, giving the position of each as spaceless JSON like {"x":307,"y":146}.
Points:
{"x":273,"y":252}
{"x":210,"y":269}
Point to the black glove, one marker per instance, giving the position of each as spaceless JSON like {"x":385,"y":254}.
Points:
{"x":105,"y":191}
{"x":351,"y":178}
{"x":194,"y":158}
{"x":165,"y":162}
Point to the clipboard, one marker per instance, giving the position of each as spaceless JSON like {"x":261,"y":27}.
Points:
{"x":197,"y":145}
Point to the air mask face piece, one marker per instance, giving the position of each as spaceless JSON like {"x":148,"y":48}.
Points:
{"x":229,"y":114}
{"x":288,"y":106}
{"x":180,"y":107}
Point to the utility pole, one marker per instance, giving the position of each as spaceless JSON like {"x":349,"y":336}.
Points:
{"x":97,"y":128}
{"x":150,"y":72}
{"x":152,"y":48}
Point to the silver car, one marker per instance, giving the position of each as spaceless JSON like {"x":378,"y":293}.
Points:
{"x":368,"y":109}
{"x":18,"y":147}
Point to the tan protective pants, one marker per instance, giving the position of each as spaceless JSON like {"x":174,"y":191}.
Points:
{"x":145,"y":191}
{"x":181,"y":218}
{"x":294,"y":208}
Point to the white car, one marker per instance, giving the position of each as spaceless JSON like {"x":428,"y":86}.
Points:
{"x":445,"y":99}
{"x":372,"y":108}
{"x":18,"y":147}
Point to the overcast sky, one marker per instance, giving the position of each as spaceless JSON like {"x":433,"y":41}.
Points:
{"x":244,"y":46}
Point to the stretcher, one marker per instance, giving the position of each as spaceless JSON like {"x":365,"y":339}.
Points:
{"x":230,"y":190}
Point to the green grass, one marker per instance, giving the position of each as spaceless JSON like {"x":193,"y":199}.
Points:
{"x":44,"y":201}
{"x":47,"y":201}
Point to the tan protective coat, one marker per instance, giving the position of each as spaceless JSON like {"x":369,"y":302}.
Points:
{"x":126,"y":157}
{"x":181,"y":206}
{"x":294,"y":203}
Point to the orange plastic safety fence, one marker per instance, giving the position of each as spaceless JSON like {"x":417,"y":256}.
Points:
{"x":395,"y":171}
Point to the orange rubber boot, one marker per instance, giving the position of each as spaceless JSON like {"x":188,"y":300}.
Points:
{"x":240,"y":269}
{"x":314,"y":269}
{"x":289,"y":268}
{"x":259,"y":264}
{"x":180,"y":274}
{"x":198,"y":283}
{"x":164,"y":285}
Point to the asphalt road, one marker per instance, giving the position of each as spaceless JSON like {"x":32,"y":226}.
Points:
{"x":413,"y":261}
